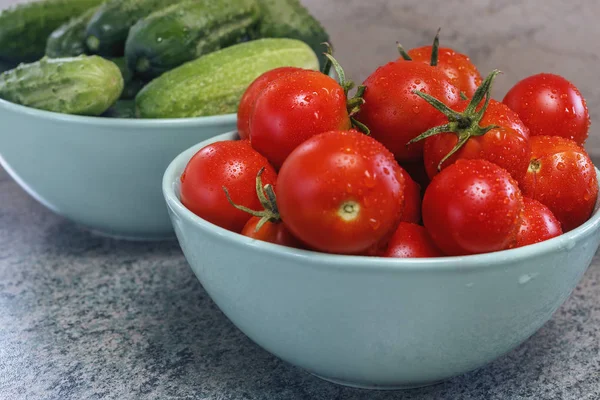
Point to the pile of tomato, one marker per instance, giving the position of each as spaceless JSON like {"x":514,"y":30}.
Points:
{"x":420,"y":162}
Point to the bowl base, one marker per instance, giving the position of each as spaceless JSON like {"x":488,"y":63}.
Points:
{"x":375,"y":387}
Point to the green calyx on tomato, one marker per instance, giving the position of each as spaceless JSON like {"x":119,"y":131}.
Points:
{"x":266,"y":195}
{"x":464,"y":124}
{"x":353,"y":103}
{"x":435,"y":49}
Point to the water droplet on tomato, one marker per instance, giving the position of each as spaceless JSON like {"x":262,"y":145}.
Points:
{"x":375,"y":224}
{"x":560,"y":166}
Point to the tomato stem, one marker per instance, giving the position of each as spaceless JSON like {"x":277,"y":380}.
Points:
{"x":463,"y":96}
{"x":464,"y":124}
{"x":435,"y":49}
{"x":403,"y":52}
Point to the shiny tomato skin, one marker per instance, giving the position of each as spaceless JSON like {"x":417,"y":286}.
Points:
{"x":294,"y":108}
{"x":411,"y":241}
{"x":537,"y":223}
{"x":472,"y":207}
{"x":412,"y":199}
{"x":394,"y":114}
{"x":271,"y":232}
{"x":249,"y":98}
{"x":458,"y":67}
{"x":233,"y":164}
{"x":550,"y":105}
{"x":507,"y":146}
{"x":562,"y":177}
{"x":341,"y":192}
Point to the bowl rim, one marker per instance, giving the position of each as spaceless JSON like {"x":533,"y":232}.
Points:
{"x":566,"y":241}
{"x":118,"y":122}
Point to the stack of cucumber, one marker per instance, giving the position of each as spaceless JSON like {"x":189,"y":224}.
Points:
{"x":149,"y":58}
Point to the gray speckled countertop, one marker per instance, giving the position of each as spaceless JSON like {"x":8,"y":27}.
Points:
{"x":85,"y":317}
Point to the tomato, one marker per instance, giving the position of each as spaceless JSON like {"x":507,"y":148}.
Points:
{"x":272,"y":232}
{"x":411,"y":241}
{"x":250,"y":95}
{"x":459,"y":69}
{"x":341,"y":192}
{"x":230,"y":164}
{"x":417,"y":172}
{"x":472,"y":207}
{"x":412,"y":199}
{"x":294,"y":108}
{"x":550,"y":105}
{"x":507,"y":146}
{"x":394,"y":114}
{"x":537,"y":223}
{"x":562,"y":177}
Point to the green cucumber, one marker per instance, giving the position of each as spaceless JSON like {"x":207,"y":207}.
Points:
{"x":290,"y":19}
{"x":183,"y":32}
{"x":107,"y":31}
{"x":121,"y":109}
{"x":25,"y":28}
{"x":84,"y":85}
{"x":213,"y":84}
{"x":133,"y":84}
{"x":69,"y":39}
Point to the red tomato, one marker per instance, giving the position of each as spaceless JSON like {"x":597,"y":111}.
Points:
{"x":537,"y":223}
{"x":550,"y":105}
{"x":507,"y":146}
{"x":232,"y":164}
{"x":562,"y":177}
{"x":394,"y":114}
{"x":412,"y":199}
{"x":341,"y":192}
{"x":418,"y":173}
{"x":250,"y":95}
{"x":472,"y":207}
{"x":459,"y":69}
{"x":411,"y":241}
{"x":272,"y":232}
{"x":294,"y":108}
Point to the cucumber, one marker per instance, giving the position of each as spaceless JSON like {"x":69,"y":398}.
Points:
{"x":107,"y":31}
{"x":25,"y":28}
{"x":84,"y":85}
{"x":133,"y":84}
{"x":121,"y":109}
{"x":213,"y":84}
{"x":183,"y":32}
{"x":290,"y":19}
{"x":69,"y":39}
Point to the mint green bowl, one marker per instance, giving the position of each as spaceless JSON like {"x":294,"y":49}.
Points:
{"x":101,"y":173}
{"x":375,"y":322}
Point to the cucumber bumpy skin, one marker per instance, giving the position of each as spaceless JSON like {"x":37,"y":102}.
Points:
{"x":107,"y":31}
{"x":183,"y":32}
{"x":84,"y":85}
{"x":213,"y":84}
{"x":290,"y":19}
{"x":69,"y":39}
{"x":24,"y":28}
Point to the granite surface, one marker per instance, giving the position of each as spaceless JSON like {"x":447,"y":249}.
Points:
{"x":84,"y":317}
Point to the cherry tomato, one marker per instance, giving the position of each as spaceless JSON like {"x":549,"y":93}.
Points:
{"x":417,"y":172}
{"x":412,"y":199}
{"x":272,"y":232}
{"x":472,"y":207}
{"x":550,"y":105}
{"x":537,"y":223}
{"x":459,"y":69}
{"x":294,"y":108}
{"x":562,"y":177}
{"x":394,"y":114}
{"x":411,"y":241}
{"x":230,"y":164}
{"x":507,"y":146}
{"x":250,"y":95}
{"x":341,"y":192}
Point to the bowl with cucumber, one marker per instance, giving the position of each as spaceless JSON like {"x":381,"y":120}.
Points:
{"x":97,"y":97}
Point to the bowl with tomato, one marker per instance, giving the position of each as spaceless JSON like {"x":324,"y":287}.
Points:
{"x":102,"y":173}
{"x":395,"y":236}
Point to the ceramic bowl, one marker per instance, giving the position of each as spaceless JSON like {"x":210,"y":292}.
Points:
{"x":101,"y":173}
{"x":376,"y":322}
